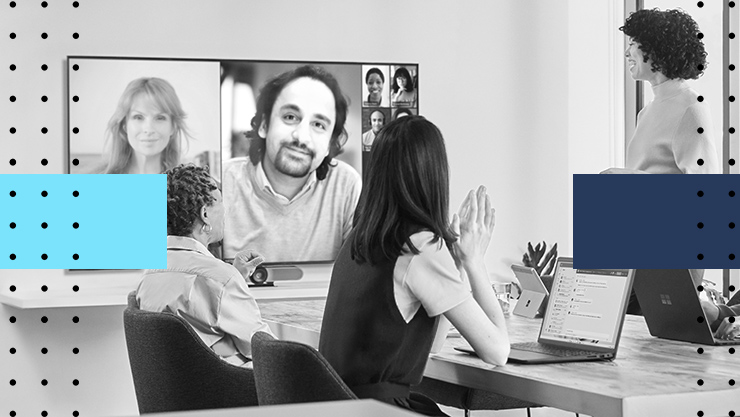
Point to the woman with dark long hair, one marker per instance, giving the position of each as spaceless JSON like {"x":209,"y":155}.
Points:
{"x":404,"y":92}
{"x":405,"y":270}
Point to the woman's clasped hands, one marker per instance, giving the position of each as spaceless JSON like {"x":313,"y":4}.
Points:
{"x":473,"y":224}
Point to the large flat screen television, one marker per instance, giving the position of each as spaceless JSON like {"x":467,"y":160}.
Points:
{"x":287,"y":140}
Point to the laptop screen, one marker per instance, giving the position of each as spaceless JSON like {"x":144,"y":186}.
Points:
{"x":586,"y":306}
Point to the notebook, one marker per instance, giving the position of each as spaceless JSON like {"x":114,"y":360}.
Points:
{"x":533,"y":299}
{"x":584,"y":317}
{"x":672,"y":308}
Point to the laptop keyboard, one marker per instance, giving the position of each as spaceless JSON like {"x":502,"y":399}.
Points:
{"x":551,"y":350}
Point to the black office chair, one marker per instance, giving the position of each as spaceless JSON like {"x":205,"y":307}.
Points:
{"x":173,"y":370}
{"x":290,"y":372}
{"x":468,"y":399}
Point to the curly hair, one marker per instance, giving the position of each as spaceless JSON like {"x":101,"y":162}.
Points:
{"x":188,"y":190}
{"x":266,"y":100}
{"x":670,"y":38}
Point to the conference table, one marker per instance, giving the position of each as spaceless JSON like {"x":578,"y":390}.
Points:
{"x":649,"y":377}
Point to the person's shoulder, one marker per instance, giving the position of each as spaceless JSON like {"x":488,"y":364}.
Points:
{"x":343,"y":172}
{"x":427,"y":243}
{"x":697,"y":110}
{"x":236,"y":166}
{"x":690,"y":97}
{"x":215,"y":270}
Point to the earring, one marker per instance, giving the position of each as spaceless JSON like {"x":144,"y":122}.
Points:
{"x":203,"y":229}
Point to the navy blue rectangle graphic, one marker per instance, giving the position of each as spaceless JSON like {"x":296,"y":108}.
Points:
{"x":656,"y":221}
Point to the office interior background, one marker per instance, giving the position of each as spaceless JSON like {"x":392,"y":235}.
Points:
{"x":526,"y":93}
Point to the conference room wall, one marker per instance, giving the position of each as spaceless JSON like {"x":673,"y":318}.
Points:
{"x":498,"y":77}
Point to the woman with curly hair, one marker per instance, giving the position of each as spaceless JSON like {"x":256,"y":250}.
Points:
{"x":208,"y":293}
{"x":674,"y":131}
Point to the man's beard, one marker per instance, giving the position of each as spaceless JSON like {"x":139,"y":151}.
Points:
{"x":297,"y":168}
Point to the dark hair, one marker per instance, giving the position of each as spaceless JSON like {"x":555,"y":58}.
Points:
{"x":266,"y":101}
{"x":407,"y":190}
{"x":188,"y":190}
{"x":670,"y":39}
{"x":374,"y":71}
{"x":400,"y":111}
{"x":403,"y":72}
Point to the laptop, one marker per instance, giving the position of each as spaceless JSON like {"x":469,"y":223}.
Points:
{"x":584,"y":317}
{"x":533,"y":298}
{"x":671,"y":307}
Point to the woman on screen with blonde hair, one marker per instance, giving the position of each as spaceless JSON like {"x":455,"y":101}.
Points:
{"x":144,"y":134}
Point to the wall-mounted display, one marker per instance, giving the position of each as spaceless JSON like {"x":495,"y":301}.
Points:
{"x":286,"y":140}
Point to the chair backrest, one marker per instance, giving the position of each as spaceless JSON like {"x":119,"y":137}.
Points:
{"x":173,"y":370}
{"x":289,"y":372}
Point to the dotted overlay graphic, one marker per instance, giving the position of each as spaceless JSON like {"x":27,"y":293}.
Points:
{"x":58,"y":221}
{"x":69,"y":227}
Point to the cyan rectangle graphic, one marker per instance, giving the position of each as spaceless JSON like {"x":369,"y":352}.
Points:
{"x":122,"y":221}
{"x":653,"y":221}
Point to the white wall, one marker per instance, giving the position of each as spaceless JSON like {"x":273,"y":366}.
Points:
{"x":500,"y":79}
